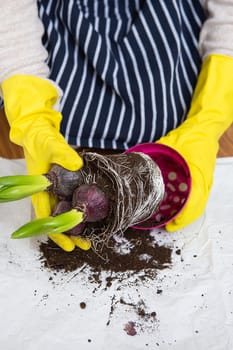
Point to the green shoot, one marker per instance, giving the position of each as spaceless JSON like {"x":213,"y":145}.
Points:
{"x":13,"y":188}
{"x":52,"y":224}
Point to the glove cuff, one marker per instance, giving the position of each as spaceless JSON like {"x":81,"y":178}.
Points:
{"x":26,"y":96}
{"x":211,"y":110}
{"x":29,"y":100}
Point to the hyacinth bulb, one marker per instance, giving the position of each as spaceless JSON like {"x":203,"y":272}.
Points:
{"x":92,"y":201}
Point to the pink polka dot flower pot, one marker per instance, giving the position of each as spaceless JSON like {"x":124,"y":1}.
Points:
{"x":177,"y":182}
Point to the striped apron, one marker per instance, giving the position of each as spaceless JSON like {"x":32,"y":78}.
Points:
{"x":127,"y":67}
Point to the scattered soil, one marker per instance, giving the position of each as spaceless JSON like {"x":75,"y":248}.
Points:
{"x":134,"y":251}
{"x":133,"y":259}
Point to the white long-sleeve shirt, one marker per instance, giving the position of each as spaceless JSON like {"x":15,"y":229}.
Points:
{"x":21,"y":49}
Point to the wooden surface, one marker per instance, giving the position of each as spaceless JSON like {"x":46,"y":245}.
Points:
{"x":11,"y":151}
{"x":7,"y":148}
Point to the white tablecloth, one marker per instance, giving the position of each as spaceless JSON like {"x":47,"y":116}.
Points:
{"x":193,"y":299}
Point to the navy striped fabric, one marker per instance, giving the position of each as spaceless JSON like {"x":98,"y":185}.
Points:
{"x":127,"y":67}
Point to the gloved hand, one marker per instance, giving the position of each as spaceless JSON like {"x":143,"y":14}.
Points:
{"x":211,"y":113}
{"x":34,"y":125}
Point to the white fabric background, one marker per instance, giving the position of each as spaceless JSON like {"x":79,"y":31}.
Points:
{"x":41,"y":310}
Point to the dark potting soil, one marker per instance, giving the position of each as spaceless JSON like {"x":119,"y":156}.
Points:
{"x":144,"y":254}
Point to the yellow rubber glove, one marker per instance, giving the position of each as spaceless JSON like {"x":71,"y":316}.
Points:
{"x":34,"y":125}
{"x":211,"y":113}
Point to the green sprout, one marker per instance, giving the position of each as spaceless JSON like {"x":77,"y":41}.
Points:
{"x":51,"y":224}
{"x":20,"y":186}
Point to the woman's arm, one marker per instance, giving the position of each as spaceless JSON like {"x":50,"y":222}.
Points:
{"x":217,"y":32}
{"x":21,"y":49}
